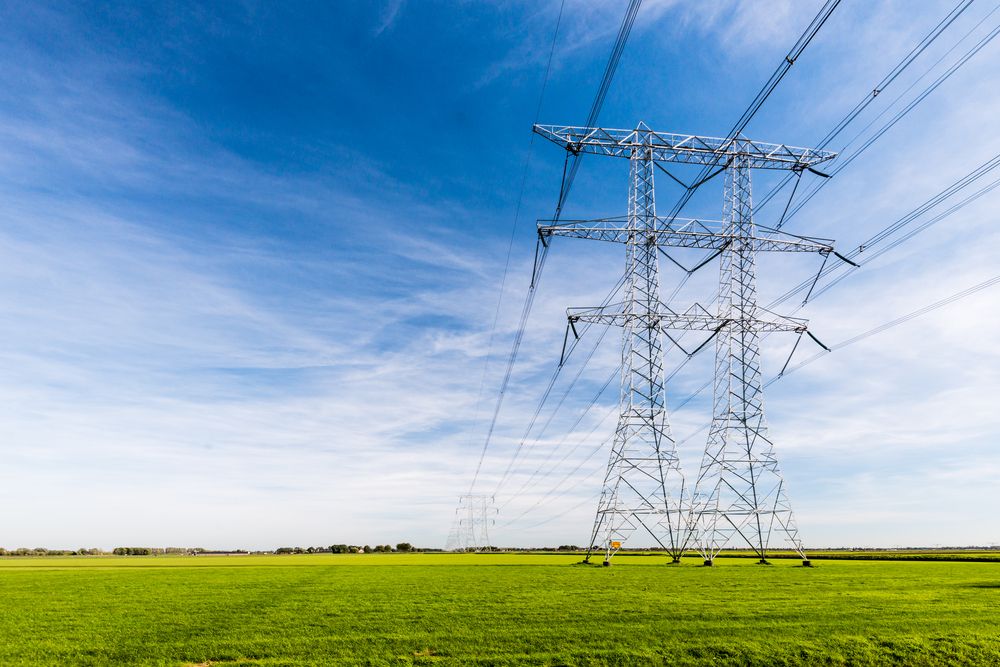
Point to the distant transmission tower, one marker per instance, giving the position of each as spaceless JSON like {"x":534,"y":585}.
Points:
{"x":473,"y":518}
{"x":739,"y":489}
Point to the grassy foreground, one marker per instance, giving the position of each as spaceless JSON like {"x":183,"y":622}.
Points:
{"x":385,"y":609}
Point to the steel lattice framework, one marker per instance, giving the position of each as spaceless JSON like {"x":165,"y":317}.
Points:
{"x":740,"y":491}
{"x":643,"y":487}
{"x":473,"y":517}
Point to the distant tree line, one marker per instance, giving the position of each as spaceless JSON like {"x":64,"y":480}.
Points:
{"x":402,"y":547}
{"x":38,"y":551}
{"x":117,"y":551}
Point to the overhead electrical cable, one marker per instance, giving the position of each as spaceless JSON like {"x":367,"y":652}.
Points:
{"x":919,"y":312}
{"x":874,"y":241}
{"x":878,"y":89}
{"x":706,"y":173}
{"x":902,"y":113}
{"x":567,"y":353}
{"x":888,"y":79}
{"x":944,"y":214}
{"x":588,"y":501}
{"x":874,"y":331}
{"x":881,"y":236}
{"x":513,"y":230}
{"x":566,"y":185}
{"x":568,"y":476}
{"x":906,"y":219}
{"x":762,"y":95}
{"x":573,"y":166}
{"x":865,"y":248}
{"x":583,"y":413}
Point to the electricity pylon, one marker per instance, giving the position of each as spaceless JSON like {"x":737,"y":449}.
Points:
{"x":739,"y":479}
{"x":473,"y":517}
{"x":740,"y":493}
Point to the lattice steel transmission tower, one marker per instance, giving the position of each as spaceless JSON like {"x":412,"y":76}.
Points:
{"x":473,"y":517}
{"x":739,"y":482}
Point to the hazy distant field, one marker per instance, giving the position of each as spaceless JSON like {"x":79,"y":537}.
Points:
{"x":385,"y":609}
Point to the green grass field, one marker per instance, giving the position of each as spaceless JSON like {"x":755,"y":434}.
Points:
{"x":386,"y":609}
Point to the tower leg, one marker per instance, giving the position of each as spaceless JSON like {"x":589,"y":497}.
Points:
{"x":740,"y":494}
{"x":644,"y":486}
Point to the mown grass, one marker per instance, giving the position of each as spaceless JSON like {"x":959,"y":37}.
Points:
{"x":494,"y":610}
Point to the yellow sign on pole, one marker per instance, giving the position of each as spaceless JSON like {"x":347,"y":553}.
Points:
{"x":616,"y":545}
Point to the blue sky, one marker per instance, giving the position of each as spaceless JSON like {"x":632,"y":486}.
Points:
{"x":250,"y":256}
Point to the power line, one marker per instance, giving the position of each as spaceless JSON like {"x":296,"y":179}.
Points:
{"x":919,"y":312}
{"x":583,"y":413}
{"x":513,"y":230}
{"x":552,"y":382}
{"x":905,"y":220}
{"x":595,"y":110}
{"x":511,"y":358}
{"x":588,"y":501}
{"x":874,"y":331}
{"x":568,"y":475}
{"x":762,"y":95}
{"x":843,"y":164}
{"x":962,"y":204}
{"x":879,"y":88}
{"x":765,"y":92}
{"x":602,"y":91}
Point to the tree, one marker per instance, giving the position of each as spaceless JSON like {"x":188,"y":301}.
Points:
{"x":367,"y":549}
{"x":404,"y":546}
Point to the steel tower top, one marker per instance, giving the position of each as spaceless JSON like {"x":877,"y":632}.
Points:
{"x":684,"y":148}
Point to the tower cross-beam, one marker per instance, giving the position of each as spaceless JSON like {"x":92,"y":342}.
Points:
{"x":686,"y":148}
{"x":694,"y":319}
{"x":681,"y":233}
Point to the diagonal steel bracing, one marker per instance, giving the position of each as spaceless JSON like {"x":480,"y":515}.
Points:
{"x":740,"y":495}
{"x":643,"y":487}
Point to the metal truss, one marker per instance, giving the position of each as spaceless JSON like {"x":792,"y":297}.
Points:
{"x":687,"y":148}
{"x":644,"y":486}
{"x":740,"y":494}
{"x":473,"y":517}
{"x":681,"y":233}
{"x":695,"y":318}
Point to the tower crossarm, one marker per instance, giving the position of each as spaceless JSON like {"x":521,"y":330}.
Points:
{"x":685,"y":148}
{"x":679,"y":233}
{"x":695,"y":318}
